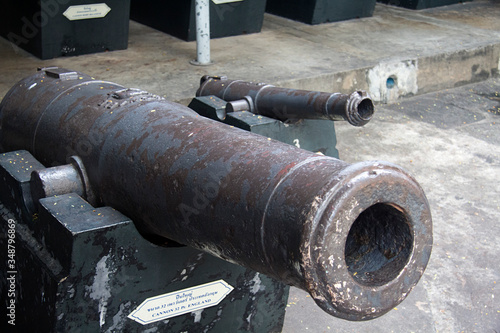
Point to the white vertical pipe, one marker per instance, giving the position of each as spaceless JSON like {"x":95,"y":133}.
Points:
{"x":202,"y":12}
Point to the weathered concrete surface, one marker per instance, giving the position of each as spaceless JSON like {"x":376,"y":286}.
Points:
{"x":423,"y":51}
{"x":450,"y":142}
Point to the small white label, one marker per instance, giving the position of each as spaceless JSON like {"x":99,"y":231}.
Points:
{"x":83,"y":12}
{"x":180,"y":302}
{"x":219,"y":2}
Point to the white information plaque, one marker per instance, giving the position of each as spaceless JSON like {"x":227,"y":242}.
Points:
{"x":180,"y":302}
{"x":83,"y":12}
{"x":219,"y":2}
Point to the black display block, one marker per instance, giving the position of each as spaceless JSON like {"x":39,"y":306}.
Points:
{"x":177,"y":18}
{"x":54,"y":28}
{"x":321,"y":11}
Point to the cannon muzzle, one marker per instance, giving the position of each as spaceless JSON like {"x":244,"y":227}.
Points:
{"x":357,"y":237}
{"x":283,"y":103}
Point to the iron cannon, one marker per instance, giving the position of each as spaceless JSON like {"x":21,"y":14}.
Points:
{"x":288,"y":104}
{"x":357,"y":237}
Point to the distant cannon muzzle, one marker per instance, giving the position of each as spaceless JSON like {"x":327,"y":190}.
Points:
{"x":357,"y":237}
{"x":283,"y":103}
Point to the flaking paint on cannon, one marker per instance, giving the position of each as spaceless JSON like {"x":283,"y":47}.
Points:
{"x":272,"y":207}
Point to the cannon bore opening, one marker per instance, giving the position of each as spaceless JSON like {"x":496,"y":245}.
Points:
{"x":366,"y":109}
{"x":378,"y":245}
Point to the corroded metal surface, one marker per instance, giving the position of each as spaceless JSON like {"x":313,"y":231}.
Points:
{"x":357,"y":237}
{"x":283,"y":103}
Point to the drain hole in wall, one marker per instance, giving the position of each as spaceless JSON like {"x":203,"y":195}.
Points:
{"x":391,"y":82}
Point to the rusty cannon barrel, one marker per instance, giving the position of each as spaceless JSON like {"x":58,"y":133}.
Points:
{"x":357,"y":237}
{"x":283,"y":103}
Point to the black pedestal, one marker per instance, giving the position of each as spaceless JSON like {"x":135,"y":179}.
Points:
{"x":72,"y":267}
{"x":55,"y":28}
{"x":321,"y":11}
{"x":177,"y":18}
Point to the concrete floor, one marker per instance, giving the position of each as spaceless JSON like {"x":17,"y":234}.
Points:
{"x":447,"y":137}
